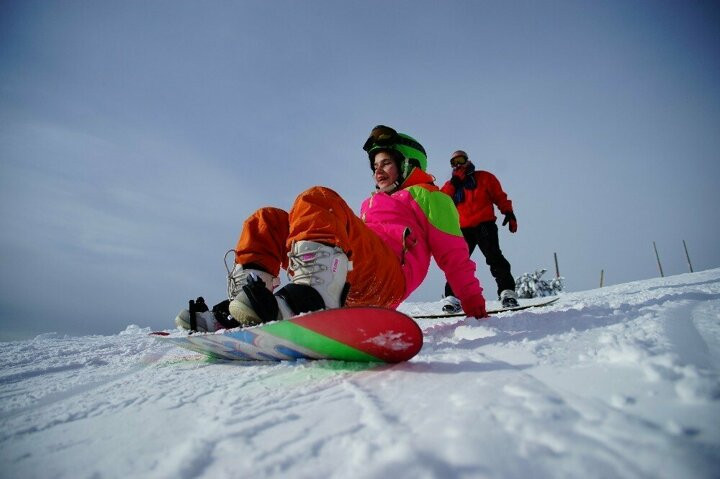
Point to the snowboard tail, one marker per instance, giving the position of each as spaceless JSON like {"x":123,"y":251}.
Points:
{"x":365,"y":334}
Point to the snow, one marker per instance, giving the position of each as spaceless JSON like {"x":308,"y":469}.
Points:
{"x":615,"y":382}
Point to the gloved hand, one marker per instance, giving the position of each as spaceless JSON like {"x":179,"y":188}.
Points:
{"x":475,"y":307}
{"x":510,"y":218}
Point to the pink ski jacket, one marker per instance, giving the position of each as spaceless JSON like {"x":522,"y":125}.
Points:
{"x":417,"y":222}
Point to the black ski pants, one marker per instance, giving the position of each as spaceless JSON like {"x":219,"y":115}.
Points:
{"x":485,"y":237}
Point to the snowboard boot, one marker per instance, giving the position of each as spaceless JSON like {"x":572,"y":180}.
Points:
{"x":509,"y":299}
{"x":198,"y":318}
{"x":245,"y":285}
{"x":240,"y":275}
{"x":318,"y":273}
{"x":320,"y":267}
{"x":451,"y":305}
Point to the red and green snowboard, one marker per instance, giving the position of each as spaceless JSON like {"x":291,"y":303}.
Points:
{"x":366,"y":334}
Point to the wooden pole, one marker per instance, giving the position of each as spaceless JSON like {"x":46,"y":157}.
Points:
{"x":602,"y":277}
{"x":658,"y":260}
{"x":557,"y":269}
{"x":687,"y":256}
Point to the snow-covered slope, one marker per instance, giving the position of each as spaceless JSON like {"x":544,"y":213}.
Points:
{"x":616,"y":382}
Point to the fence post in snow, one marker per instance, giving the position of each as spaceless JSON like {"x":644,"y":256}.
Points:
{"x":658,"y":260}
{"x":602,"y":277}
{"x":687,"y":256}
{"x":557,"y":270}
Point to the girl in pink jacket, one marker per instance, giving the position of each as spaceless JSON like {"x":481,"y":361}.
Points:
{"x":415,"y":219}
{"x":334,"y":258}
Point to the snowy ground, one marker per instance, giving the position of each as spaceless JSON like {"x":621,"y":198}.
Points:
{"x":617,"y":382}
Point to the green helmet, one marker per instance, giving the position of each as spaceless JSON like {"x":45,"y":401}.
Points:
{"x":385,"y":138}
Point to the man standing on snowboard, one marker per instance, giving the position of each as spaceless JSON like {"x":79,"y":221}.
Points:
{"x":475,"y":193}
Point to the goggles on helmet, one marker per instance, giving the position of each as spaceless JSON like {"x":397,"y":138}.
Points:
{"x":457,"y":161}
{"x":385,"y":137}
{"x":381,"y":135}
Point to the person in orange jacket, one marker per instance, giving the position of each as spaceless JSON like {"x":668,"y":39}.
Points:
{"x":335,"y":258}
{"x":476,"y":193}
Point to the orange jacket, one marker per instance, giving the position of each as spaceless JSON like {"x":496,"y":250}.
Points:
{"x":477,"y":206}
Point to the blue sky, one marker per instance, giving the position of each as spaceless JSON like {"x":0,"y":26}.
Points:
{"x":135,"y":137}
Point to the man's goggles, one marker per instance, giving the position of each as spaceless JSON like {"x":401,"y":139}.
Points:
{"x":458,"y":161}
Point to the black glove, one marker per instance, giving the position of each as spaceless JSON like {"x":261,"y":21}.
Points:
{"x":510,"y":218}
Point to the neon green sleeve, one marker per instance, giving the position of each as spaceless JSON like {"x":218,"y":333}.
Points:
{"x":439,"y":209}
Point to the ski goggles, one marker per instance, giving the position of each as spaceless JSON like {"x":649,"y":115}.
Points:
{"x":385,"y":137}
{"x":457,"y":161}
{"x":381,"y":135}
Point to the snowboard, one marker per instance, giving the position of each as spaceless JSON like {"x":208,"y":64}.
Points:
{"x":534,"y":303}
{"x":364,"y":334}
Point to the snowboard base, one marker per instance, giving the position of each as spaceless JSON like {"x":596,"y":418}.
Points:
{"x":365,"y":334}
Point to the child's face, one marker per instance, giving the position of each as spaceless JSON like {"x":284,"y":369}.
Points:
{"x":386,"y":171}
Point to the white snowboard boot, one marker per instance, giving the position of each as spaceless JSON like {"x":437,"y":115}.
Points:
{"x":198,"y":318}
{"x":509,"y":298}
{"x":322,"y":267}
{"x":318,"y":273}
{"x":204,"y":322}
{"x":239,"y":277}
{"x":240,"y":306}
{"x":451,"y":305}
